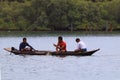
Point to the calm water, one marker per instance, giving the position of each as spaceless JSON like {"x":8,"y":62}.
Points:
{"x":103,"y":65}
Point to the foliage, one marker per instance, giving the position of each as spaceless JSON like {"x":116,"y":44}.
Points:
{"x":59,"y":14}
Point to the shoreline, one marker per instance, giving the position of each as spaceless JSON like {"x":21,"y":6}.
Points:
{"x":56,"y":33}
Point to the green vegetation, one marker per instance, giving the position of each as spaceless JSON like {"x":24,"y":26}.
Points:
{"x":53,"y":15}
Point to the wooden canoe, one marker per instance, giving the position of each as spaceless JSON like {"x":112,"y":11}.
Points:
{"x":53,"y":53}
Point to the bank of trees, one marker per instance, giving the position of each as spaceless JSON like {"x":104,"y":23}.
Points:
{"x":59,"y":15}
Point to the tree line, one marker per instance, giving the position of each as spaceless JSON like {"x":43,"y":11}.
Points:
{"x":52,"y":15}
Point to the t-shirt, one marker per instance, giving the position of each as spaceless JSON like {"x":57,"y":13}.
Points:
{"x":23,"y":45}
{"x":62,"y":44}
{"x":81,"y":45}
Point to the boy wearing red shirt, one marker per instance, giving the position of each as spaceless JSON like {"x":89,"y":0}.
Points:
{"x":61,"y":45}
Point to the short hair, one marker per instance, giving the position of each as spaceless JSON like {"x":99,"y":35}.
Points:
{"x":60,"y":38}
{"x":77,"y":39}
{"x":24,"y":38}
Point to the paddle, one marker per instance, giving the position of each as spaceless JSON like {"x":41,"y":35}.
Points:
{"x":57,"y":46}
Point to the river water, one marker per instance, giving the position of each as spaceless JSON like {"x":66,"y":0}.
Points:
{"x":103,"y":65}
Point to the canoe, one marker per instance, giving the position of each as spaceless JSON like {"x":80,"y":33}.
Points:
{"x":53,"y":53}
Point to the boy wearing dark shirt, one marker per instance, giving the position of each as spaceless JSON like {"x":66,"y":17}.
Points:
{"x":24,"y":44}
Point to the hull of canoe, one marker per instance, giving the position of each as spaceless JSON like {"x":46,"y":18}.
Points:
{"x":68,"y":53}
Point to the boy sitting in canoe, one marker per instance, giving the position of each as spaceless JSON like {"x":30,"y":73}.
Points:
{"x":24,"y":46}
{"x":61,"y":45}
{"x":81,"y":46}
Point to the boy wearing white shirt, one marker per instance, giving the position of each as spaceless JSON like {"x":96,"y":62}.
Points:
{"x":81,"y":46}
